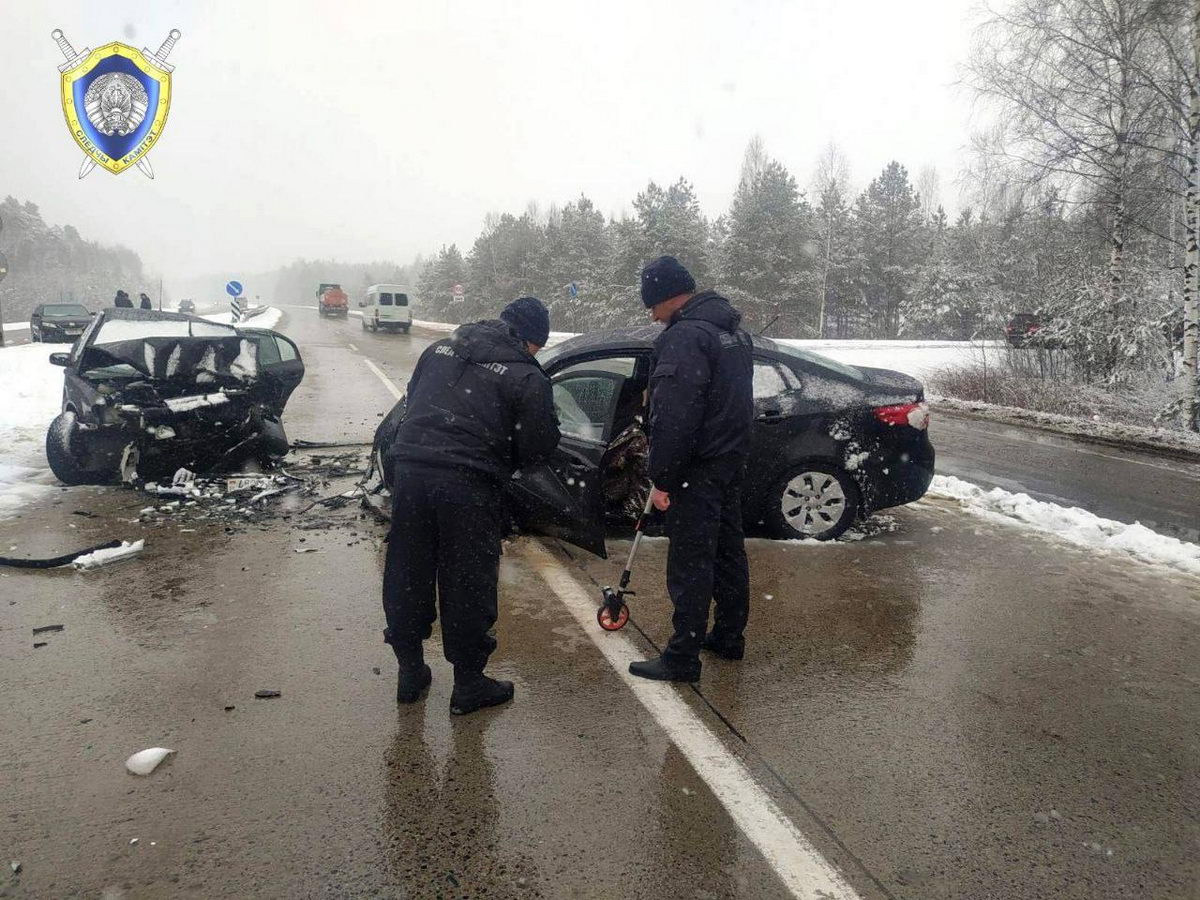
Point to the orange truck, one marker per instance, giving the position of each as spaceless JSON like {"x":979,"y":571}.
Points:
{"x":332,"y":300}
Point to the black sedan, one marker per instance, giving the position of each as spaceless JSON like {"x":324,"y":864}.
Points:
{"x":62,"y":322}
{"x":831,"y":443}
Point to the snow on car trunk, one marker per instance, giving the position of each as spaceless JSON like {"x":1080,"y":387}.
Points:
{"x":32,"y":398}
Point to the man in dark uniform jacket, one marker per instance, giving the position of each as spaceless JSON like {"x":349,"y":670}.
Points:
{"x":122,"y":300}
{"x":479,"y":407}
{"x":701,"y":413}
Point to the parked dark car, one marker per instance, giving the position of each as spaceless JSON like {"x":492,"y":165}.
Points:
{"x":146,"y":393}
{"x":187,"y":307}
{"x":831,"y":442}
{"x":62,"y":322}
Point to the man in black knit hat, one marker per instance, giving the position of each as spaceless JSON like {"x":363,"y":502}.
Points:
{"x":701,"y":413}
{"x":479,"y":407}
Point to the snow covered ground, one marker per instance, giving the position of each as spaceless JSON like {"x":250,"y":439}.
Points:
{"x":16,"y":326}
{"x":916,"y":358}
{"x":1077,"y":526}
{"x":32,"y":398}
{"x":268,"y":319}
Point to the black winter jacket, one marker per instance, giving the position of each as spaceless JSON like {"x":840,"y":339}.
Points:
{"x":701,"y":389}
{"x":477,"y":400}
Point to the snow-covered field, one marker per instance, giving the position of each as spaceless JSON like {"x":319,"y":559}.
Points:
{"x":1072,"y":524}
{"x":32,"y":398}
{"x":916,"y":358}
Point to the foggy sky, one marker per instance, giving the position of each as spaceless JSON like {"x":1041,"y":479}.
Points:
{"x":378,"y":131}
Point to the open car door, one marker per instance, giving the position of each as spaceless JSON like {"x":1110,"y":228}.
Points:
{"x":563,"y":498}
{"x":279,"y":362}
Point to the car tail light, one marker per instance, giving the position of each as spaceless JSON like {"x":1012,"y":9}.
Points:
{"x":914,"y":415}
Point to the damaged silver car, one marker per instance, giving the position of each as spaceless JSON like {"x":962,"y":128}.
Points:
{"x":146,"y":393}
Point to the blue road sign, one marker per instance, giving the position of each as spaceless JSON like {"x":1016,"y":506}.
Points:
{"x":234,"y":289}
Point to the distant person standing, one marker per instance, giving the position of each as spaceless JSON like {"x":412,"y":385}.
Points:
{"x":146,"y":304}
{"x":701,"y":413}
{"x":122,"y":300}
{"x":479,"y":407}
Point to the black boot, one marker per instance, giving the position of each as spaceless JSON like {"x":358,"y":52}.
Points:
{"x":667,"y":669}
{"x":726,"y":649}
{"x":478,"y":693}
{"x":411,"y":683}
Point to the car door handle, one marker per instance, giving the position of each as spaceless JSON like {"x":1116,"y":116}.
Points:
{"x":770,"y":415}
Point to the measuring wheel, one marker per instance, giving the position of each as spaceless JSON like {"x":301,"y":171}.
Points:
{"x":609,"y":622}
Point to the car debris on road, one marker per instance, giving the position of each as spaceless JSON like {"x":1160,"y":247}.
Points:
{"x":146,"y":761}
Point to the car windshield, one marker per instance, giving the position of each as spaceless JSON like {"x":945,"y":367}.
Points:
{"x":65,"y":309}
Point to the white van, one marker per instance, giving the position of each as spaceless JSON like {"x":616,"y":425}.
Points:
{"x":386,"y":306}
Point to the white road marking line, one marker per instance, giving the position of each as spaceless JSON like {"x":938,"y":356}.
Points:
{"x":799,"y":864}
{"x":351,"y":346}
{"x":387,"y":382}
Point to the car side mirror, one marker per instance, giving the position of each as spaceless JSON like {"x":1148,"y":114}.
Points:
{"x":59,"y":359}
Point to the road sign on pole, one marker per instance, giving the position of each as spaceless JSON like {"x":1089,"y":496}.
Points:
{"x":234,"y":289}
{"x":457,"y":293}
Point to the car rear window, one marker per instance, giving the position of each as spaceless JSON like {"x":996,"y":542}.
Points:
{"x":64,"y":309}
{"x":818,"y":361}
{"x":402,"y":299}
{"x":385,"y":299}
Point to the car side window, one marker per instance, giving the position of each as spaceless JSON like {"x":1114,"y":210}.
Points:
{"x":585,"y":403}
{"x":287,"y":350}
{"x":769,"y":380}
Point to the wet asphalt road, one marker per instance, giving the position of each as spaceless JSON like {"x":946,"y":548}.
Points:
{"x":952,"y":709}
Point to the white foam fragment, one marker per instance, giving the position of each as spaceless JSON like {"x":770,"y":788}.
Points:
{"x":1078,"y":526}
{"x":146,"y":761}
{"x":99,"y":558}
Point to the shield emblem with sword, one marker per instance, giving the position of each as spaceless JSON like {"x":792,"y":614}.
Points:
{"x":116,"y":101}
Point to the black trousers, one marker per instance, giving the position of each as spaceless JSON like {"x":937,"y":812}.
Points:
{"x":707,"y":561}
{"x":444,"y":543}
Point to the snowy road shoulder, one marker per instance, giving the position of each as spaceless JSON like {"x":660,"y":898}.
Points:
{"x":32,"y":398}
{"x":1077,"y":526}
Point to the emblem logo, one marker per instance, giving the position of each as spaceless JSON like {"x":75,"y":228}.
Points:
{"x":116,"y":100}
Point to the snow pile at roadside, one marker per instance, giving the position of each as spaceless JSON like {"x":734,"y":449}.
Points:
{"x":1078,"y":526}
{"x":32,"y":398}
{"x":16,"y":326}
{"x":268,"y":319}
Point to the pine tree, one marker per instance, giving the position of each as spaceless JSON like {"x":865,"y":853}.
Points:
{"x":887,"y":217}
{"x":767,"y":248}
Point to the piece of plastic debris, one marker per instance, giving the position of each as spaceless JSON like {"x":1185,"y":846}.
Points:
{"x":375,"y":669}
{"x":306,"y":549}
{"x":146,"y":761}
{"x":42,"y":629}
{"x":132,"y":841}
{"x":15,"y":866}
{"x":267,"y":695}
{"x":105,"y":557}
{"x":230,"y":708}
{"x":37,"y":644}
